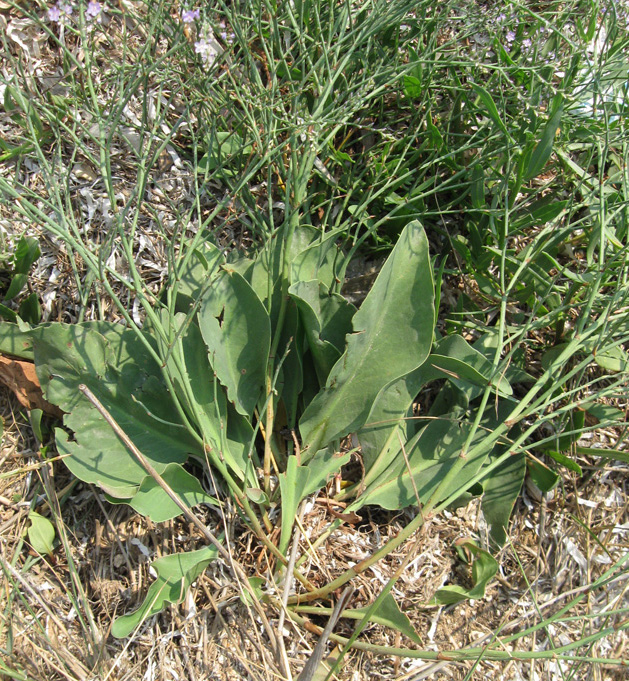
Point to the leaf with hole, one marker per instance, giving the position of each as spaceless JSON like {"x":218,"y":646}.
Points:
{"x":237,"y":331}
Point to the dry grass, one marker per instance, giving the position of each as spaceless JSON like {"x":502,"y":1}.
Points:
{"x":558,"y":547}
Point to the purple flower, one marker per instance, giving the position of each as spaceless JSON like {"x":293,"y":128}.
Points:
{"x":206,"y":47}
{"x":93,"y":10}
{"x":59,"y":11}
{"x":189,"y":15}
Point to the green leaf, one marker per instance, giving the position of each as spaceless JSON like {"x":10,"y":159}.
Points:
{"x":223,"y":147}
{"x":386,"y":425}
{"x":552,"y":354}
{"x":35,"y":417}
{"x":392,"y":337}
{"x":26,"y":253}
{"x":484,"y":568}
{"x":18,"y":282}
{"x":175,"y":574}
{"x":389,"y":615}
{"x":41,"y":534}
{"x":564,"y":460}
{"x":228,"y":434}
{"x":30,"y":310}
{"x":14,"y":341}
{"x":237,"y":331}
{"x":477,"y":183}
{"x":412,"y":87}
{"x":544,"y":147}
{"x":453,"y":359}
{"x":541,"y":212}
{"x":321,"y":259}
{"x":500,"y":491}
{"x":7,"y":313}
{"x":605,"y":413}
{"x":128,"y":382}
{"x":152,"y":501}
{"x":464,"y":365}
{"x":300,"y":481}
{"x":195,"y":270}
{"x":613,"y":360}
{"x":490,"y":107}
{"x":291,"y":348}
{"x":618,"y":454}
{"x":327,"y":319}
{"x":541,"y":475}
{"x":571,"y":432}
{"x":431,"y":454}
{"x":257,"y":584}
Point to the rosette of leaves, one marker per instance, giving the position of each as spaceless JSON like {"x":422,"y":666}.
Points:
{"x":242,"y":345}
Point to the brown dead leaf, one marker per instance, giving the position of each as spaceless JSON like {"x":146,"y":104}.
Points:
{"x":20,"y":377}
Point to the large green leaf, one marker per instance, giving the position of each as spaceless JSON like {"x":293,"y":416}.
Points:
{"x":227,"y":433}
{"x":387,"y":425}
{"x":290,"y":382}
{"x":430,"y":454}
{"x":327,"y":319}
{"x":392,"y":336}
{"x":321,"y":260}
{"x":120,"y":372}
{"x":175,"y":574}
{"x":237,"y":331}
{"x":308,"y":257}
